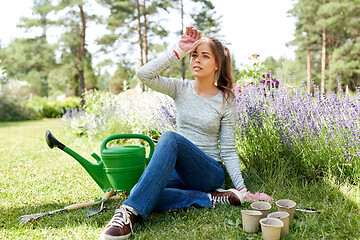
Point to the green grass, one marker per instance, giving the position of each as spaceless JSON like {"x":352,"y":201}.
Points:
{"x":34,"y":178}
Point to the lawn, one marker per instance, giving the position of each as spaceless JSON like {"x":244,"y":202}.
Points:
{"x":36,"y":179}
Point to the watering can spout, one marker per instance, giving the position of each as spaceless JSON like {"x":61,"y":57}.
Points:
{"x":95,"y":169}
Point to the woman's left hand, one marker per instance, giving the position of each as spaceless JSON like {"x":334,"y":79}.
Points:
{"x":250,"y":197}
{"x":190,"y":40}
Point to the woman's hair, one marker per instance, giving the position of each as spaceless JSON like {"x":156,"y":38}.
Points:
{"x":224,"y":79}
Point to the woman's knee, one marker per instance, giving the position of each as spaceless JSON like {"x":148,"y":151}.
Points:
{"x":169,"y":136}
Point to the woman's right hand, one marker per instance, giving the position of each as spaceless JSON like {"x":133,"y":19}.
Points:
{"x":189,"y":41}
{"x":250,"y":197}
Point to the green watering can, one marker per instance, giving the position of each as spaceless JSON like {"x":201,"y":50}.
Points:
{"x":119,"y":167}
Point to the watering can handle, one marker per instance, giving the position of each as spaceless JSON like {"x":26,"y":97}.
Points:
{"x":119,"y":136}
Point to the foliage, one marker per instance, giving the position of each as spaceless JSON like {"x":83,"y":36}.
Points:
{"x":122,"y":79}
{"x":51,"y":108}
{"x":287,"y":69}
{"x":106,"y":114}
{"x":51,"y":69}
{"x":29,"y":60}
{"x":11,"y":110}
{"x":11,"y":98}
{"x":327,"y":34}
{"x":205,"y":18}
{"x":251,"y":71}
{"x":3,"y":77}
{"x":315,"y":135}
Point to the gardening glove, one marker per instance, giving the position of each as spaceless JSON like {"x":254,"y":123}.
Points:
{"x":188,"y":42}
{"x":250,"y":197}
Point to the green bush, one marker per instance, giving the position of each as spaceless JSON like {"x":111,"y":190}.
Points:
{"x":10,"y":110}
{"x":51,"y":108}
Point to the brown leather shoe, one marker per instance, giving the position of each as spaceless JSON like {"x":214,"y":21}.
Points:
{"x":121,"y":225}
{"x":229,"y":197}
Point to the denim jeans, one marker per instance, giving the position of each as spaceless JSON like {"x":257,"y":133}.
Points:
{"x":179,"y":175}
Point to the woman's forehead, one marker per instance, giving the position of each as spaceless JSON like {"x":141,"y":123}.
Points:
{"x":204,"y":47}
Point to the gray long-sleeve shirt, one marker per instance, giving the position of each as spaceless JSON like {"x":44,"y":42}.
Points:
{"x":201,"y":120}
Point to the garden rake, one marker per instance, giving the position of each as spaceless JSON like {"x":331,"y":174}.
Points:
{"x":31,"y":217}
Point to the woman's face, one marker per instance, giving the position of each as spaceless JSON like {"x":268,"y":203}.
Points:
{"x":202,"y":62}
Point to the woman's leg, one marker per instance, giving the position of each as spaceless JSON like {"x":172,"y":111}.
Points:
{"x":196,"y":170}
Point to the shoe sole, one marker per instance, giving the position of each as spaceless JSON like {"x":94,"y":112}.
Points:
{"x":109,"y":237}
{"x":236,"y":192}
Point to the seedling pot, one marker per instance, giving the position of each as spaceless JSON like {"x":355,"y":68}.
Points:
{"x":263,"y":207}
{"x":250,"y":220}
{"x":286,"y":205}
{"x":284,"y":217}
{"x":271,"y":228}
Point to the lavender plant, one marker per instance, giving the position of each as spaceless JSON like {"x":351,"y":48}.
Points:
{"x":315,"y":134}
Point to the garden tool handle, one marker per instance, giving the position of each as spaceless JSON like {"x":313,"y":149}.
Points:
{"x":87,"y":204}
{"x":129,"y":135}
{"x":108,"y":194}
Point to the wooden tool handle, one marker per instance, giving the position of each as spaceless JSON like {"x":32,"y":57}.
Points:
{"x":108,"y":194}
{"x":82,"y":205}
{"x":91,"y":203}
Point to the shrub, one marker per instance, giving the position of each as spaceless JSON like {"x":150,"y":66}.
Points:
{"x":315,"y":135}
{"x":106,"y":114}
{"x":10,"y":110}
{"x":51,"y":108}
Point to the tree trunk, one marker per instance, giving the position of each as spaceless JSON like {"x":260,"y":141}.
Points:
{"x":82,"y":51}
{"x":140,"y":34}
{"x":145,"y":34}
{"x":308,"y":65}
{"x":182,"y":33}
{"x":323,"y":61}
{"x":331,"y":84}
{"x":141,"y":43}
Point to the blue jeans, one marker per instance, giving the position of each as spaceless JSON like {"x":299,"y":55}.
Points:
{"x":179,"y":175}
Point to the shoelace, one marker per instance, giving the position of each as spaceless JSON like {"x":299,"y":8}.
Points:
{"x":122,"y":217}
{"x":222,"y":199}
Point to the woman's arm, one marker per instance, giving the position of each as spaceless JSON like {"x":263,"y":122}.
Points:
{"x":228,"y":148}
{"x":149,"y":73}
{"x":231,"y":158}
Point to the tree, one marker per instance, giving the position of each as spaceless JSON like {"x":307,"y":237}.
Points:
{"x":3,"y":76}
{"x":330,"y":32}
{"x":41,"y":10}
{"x":29,"y":60}
{"x":122,"y":79}
{"x":73,"y":43}
{"x":132,"y":22}
{"x":306,"y":34}
{"x":138,"y":21}
{"x":344,"y":54}
{"x":205,"y":19}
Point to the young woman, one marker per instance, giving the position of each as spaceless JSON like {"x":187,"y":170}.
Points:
{"x":186,"y":168}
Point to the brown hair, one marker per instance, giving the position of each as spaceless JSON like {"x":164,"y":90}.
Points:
{"x":224,"y":79}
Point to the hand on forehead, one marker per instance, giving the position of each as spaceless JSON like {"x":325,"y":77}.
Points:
{"x":193,"y":32}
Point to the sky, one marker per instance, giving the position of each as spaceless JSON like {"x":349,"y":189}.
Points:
{"x":249,"y":26}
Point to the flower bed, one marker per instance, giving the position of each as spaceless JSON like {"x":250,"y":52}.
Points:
{"x":277,"y":125}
